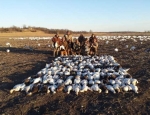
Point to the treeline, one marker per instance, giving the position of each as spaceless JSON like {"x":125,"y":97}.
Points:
{"x":10,"y":29}
{"x":54,"y":31}
{"x":35,"y":29}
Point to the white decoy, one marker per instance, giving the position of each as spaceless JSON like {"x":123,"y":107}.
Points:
{"x":52,"y":81}
{"x":45,"y":79}
{"x":116,"y":87}
{"x":91,"y":82}
{"x":97,"y":81}
{"x":28,"y":88}
{"x":107,"y":42}
{"x":96,"y":76}
{"x":70,"y":77}
{"x":129,"y":88}
{"x":134,"y":88}
{"x":52,"y":88}
{"x":84,"y":82}
{"x":125,"y":88}
{"x":116,"y":49}
{"x":49,"y":72}
{"x":68,"y":82}
{"x":18,"y":87}
{"x":47,"y":65}
{"x":112,"y":81}
{"x":67,"y":73}
{"x":77,"y":80}
{"x":8,"y":44}
{"x":76,"y":88}
{"x":134,"y":81}
{"x":110,"y":88}
{"x":118,"y":81}
{"x":85,"y":88}
{"x":90,"y":77}
{"x":69,"y":88}
{"x":120,"y":77}
{"x":59,"y":81}
{"x":8,"y":50}
{"x":124,"y":70}
{"x":132,"y":48}
{"x":127,"y":81}
{"x":95,"y":87}
{"x":39,"y":44}
{"x":127,"y":46}
{"x":55,"y":77}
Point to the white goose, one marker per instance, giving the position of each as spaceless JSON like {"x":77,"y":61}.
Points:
{"x":28,"y":88}
{"x":68,"y":82}
{"x":116,"y":87}
{"x":37,"y":80}
{"x":77,"y":80}
{"x":85,"y":88}
{"x":134,"y":81}
{"x":110,"y":88}
{"x":69,"y":88}
{"x":76,"y":88}
{"x":18,"y":87}
{"x":95,"y":87}
{"x":52,"y":88}
{"x":134,"y":88}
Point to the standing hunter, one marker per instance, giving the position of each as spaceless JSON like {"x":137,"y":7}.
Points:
{"x":68,"y":38}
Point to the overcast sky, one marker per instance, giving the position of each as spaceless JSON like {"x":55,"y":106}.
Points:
{"x":95,"y":15}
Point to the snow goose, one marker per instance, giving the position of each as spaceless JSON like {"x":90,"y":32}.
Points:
{"x":37,"y":80}
{"x":18,"y":87}
{"x":85,"y":88}
{"x":8,"y":50}
{"x":95,"y":87}
{"x":91,"y":82}
{"x":134,"y":81}
{"x":127,"y":81}
{"x":112,"y":82}
{"x":60,"y":87}
{"x":97,"y":81}
{"x":52,"y":88}
{"x":34,"y":89}
{"x":116,"y":87}
{"x":28,"y":80}
{"x":116,"y":49}
{"x":76,"y":88}
{"x":132,"y":48}
{"x":77,"y":80}
{"x":84,"y":82}
{"x":125,"y":88}
{"x":134,"y":88}
{"x":28,"y":88}
{"x":103,"y":88}
{"x":69,"y":88}
{"x":68,"y":82}
{"x":96,"y":76}
{"x":110,"y":88}
{"x":60,"y":81}
{"x":52,"y":81}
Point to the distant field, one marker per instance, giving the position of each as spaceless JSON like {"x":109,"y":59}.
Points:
{"x":22,"y":62}
{"x":42,"y":34}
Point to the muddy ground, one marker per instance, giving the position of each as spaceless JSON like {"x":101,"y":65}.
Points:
{"x":20,"y":63}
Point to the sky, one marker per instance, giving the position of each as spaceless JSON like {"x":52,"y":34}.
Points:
{"x":77,"y":15}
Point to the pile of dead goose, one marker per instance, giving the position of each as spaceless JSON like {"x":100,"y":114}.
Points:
{"x":79,"y":74}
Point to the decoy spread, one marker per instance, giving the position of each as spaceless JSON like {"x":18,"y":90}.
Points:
{"x":80,"y":74}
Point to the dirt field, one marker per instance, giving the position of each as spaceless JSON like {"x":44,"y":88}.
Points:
{"x":20,"y":63}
